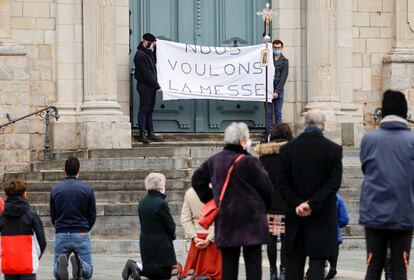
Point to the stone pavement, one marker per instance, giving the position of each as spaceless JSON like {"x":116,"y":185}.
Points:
{"x":351,"y":266}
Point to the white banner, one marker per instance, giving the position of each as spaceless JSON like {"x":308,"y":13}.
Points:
{"x":199,"y":72}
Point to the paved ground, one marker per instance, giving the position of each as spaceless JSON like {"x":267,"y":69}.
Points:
{"x":351,"y":266}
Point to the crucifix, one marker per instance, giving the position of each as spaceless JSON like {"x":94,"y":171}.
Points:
{"x":266,"y":14}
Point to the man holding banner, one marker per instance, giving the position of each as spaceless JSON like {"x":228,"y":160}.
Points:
{"x":281,"y":64}
{"x":147,"y":86}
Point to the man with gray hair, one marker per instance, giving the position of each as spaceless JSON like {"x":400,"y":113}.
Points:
{"x":310,"y":176}
{"x":157,"y":234}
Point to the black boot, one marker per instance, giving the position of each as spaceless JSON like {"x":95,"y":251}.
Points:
{"x":131,"y":271}
{"x":153,"y":137}
{"x":282,"y":275}
{"x":273,"y":273}
{"x":143,"y":138}
{"x":331,"y":274}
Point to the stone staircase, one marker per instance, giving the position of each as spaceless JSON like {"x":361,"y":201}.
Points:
{"x":118,"y":179}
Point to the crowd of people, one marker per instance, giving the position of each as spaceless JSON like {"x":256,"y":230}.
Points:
{"x":288,"y":193}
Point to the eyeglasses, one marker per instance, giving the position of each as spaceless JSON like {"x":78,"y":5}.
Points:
{"x":277,"y":48}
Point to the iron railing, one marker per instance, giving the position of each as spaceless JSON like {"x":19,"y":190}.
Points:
{"x":45,"y":114}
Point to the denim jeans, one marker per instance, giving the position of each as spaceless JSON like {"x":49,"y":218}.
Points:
{"x":276,"y":107}
{"x":78,"y":243}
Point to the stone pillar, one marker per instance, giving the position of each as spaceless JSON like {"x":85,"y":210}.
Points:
{"x":322,"y":62}
{"x":65,"y":132}
{"x":102,"y":124}
{"x":4,"y":19}
{"x":399,"y":63}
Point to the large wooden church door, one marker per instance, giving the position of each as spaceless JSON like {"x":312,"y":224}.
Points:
{"x":201,"y":22}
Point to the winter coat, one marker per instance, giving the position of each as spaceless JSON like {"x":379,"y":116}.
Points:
{"x":311,"y":170}
{"x":157,"y":231}
{"x":387,"y":159}
{"x":270,"y":158}
{"x":191,"y":213}
{"x":342,"y":213}
{"x":281,"y":73}
{"x":145,"y":69}
{"x":22,"y":237}
{"x":242,"y":216}
{"x":72,"y":206}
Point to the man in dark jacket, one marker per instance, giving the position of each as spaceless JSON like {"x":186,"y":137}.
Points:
{"x":269,"y":154}
{"x":241,"y":221}
{"x":147,"y":86}
{"x":387,"y":196}
{"x":22,"y":236}
{"x":157,"y":234}
{"x":73,"y":213}
{"x":310,"y":176}
{"x":281,"y":64}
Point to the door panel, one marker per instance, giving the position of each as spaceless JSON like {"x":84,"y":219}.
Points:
{"x":201,"y":22}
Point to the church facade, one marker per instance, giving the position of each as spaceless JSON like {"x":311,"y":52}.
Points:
{"x":77,"y":55}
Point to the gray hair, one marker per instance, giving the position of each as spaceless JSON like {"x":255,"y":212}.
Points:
{"x":155,"y":181}
{"x":236,"y":132}
{"x":315,"y":118}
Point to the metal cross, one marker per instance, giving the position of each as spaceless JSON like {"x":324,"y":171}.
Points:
{"x":267,"y":14}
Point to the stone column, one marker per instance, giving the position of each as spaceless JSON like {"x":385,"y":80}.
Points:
{"x":65,"y":132}
{"x":4,"y":19}
{"x":399,"y":63}
{"x":102,"y":124}
{"x":322,"y":61}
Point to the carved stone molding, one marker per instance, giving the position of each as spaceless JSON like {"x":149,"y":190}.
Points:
{"x":4,"y":19}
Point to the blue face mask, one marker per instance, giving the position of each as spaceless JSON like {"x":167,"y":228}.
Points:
{"x":277,"y":52}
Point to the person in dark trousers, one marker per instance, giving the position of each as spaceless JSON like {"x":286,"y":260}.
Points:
{"x":387,"y":195}
{"x":343,"y":220}
{"x":73,"y":213}
{"x":241,"y":221}
{"x":281,"y":64}
{"x":147,"y":86}
{"x":22,"y":236}
{"x":270,"y":158}
{"x":157,"y":235}
{"x":310,"y":176}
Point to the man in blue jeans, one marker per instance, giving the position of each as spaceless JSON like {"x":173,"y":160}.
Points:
{"x":281,"y":64}
{"x":73,"y":213}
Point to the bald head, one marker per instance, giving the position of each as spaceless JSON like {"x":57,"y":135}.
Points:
{"x":315,"y":118}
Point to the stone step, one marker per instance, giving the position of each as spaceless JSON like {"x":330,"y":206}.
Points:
{"x":116,"y":164}
{"x":194,"y":137}
{"x":110,"y":196}
{"x":114,"y":226}
{"x":159,"y":152}
{"x":112,"y":185}
{"x":132,"y":175}
{"x":111,"y":209}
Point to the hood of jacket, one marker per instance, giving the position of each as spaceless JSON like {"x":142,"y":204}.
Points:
{"x":15,"y":207}
{"x":269,"y":148}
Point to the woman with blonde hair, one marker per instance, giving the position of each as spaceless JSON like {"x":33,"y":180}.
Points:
{"x":203,"y":258}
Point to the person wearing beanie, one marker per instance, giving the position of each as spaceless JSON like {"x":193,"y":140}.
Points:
{"x":387,"y":195}
{"x":147,"y":86}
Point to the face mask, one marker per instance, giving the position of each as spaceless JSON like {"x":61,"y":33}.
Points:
{"x":149,"y":45}
{"x":248,"y":145}
{"x":277,"y":52}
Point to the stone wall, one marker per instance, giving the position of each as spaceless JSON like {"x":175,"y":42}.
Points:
{"x":26,"y":79}
{"x":372,"y":40}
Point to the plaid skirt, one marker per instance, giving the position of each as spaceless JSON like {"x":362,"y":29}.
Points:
{"x":276,"y":224}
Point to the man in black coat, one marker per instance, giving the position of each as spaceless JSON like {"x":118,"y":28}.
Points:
{"x":311,"y":173}
{"x":147,"y":86}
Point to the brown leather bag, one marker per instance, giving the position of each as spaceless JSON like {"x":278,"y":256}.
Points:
{"x":210,"y":209}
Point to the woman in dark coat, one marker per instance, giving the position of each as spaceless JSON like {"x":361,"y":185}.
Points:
{"x":241,"y":221}
{"x":270,"y":158}
{"x":157,"y":234}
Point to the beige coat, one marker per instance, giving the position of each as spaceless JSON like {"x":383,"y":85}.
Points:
{"x":190,"y":214}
